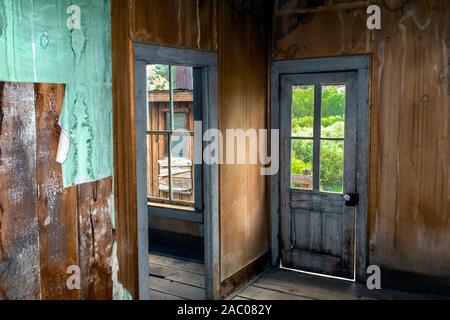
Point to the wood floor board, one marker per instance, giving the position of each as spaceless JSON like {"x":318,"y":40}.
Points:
{"x":178,"y":264}
{"x":292,"y":283}
{"x":175,"y":279}
{"x":257,"y":293}
{"x":177,"y":289}
{"x":181,"y":276}
{"x":241,"y":298}
{"x":161,"y":296}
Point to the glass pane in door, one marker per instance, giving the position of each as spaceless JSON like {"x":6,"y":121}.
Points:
{"x":303,"y":111}
{"x":302,"y":164}
{"x":332,"y":166}
{"x":333,"y":111}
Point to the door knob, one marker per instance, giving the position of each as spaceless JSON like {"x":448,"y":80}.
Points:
{"x":351,"y":199}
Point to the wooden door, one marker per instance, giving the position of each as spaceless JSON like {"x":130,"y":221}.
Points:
{"x":318,"y":172}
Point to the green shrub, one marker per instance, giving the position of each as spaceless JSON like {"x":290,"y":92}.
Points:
{"x":298,"y":166}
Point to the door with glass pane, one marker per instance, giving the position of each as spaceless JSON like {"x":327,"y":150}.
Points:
{"x":318,"y":172}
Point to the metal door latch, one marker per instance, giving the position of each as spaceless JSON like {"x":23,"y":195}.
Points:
{"x":351,"y":199}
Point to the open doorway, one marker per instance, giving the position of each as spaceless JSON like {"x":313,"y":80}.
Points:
{"x":176,"y":94}
{"x":175,"y":182}
{"x":321,"y":109}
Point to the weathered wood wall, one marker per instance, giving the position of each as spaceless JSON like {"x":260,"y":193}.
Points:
{"x":243,"y":75}
{"x":409,"y":178}
{"x":40,"y":236}
{"x":206,"y":25}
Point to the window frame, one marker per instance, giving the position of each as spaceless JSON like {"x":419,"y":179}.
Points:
{"x":318,"y":84}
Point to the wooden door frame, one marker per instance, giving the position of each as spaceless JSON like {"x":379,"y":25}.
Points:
{"x":146,"y":53}
{"x":361,"y":65}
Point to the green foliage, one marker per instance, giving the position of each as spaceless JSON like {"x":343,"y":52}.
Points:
{"x":158,"y":78}
{"x":333,"y":101}
{"x":298,"y":166}
{"x":303,"y":150}
{"x":303,"y":102}
{"x":331,"y":120}
{"x":336,"y":130}
{"x":331,"y":166}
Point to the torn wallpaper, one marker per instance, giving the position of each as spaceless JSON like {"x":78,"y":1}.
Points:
{"x":66,"y":41}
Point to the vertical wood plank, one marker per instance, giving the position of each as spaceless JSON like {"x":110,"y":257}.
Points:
{"x":57,"y":207}
{"x":96,"y":240}
{"x":19,"y":238}
{"x":122,"y":23}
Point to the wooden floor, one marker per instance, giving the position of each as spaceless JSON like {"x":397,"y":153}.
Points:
{"x":290,"y":285}
{"x":178,"y":279}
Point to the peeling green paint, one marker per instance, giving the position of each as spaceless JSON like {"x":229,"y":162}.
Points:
{"x":119,"y":292}
{"x":37,"y":46}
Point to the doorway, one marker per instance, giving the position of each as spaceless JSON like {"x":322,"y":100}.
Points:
{"x":176,"y":94}
{"x":320,"y":107}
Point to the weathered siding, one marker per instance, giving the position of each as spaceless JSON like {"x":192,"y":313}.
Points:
{"x":409,"y":178}
{"x":57,"y":207}
{"x":19,"y":235}
{"x":96,"y":242}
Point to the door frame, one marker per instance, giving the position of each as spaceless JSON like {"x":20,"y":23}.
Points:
{"x":361,"y":65}
{"x":146,"y":53}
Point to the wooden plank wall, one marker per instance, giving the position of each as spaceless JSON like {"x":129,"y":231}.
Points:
{"x":192,"y":24}
{"x":57,"y":207}
{"x":243,"y":98}
{"x":409,"y":178}
{"x":40,"y":235}
{"x":96,"y":240}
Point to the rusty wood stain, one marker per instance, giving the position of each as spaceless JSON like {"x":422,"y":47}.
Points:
{"x":95,"y":246}
{"x":56,"y":205}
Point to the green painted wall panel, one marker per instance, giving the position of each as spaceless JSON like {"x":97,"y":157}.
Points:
{"x":37,"y":46}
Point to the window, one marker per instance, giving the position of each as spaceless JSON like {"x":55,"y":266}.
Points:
{"x":172,"y":174}
{"x":318,"y":135}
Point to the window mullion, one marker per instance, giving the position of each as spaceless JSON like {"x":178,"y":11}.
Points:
{"x":172,"y":129}
{"x":317,"y":135}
